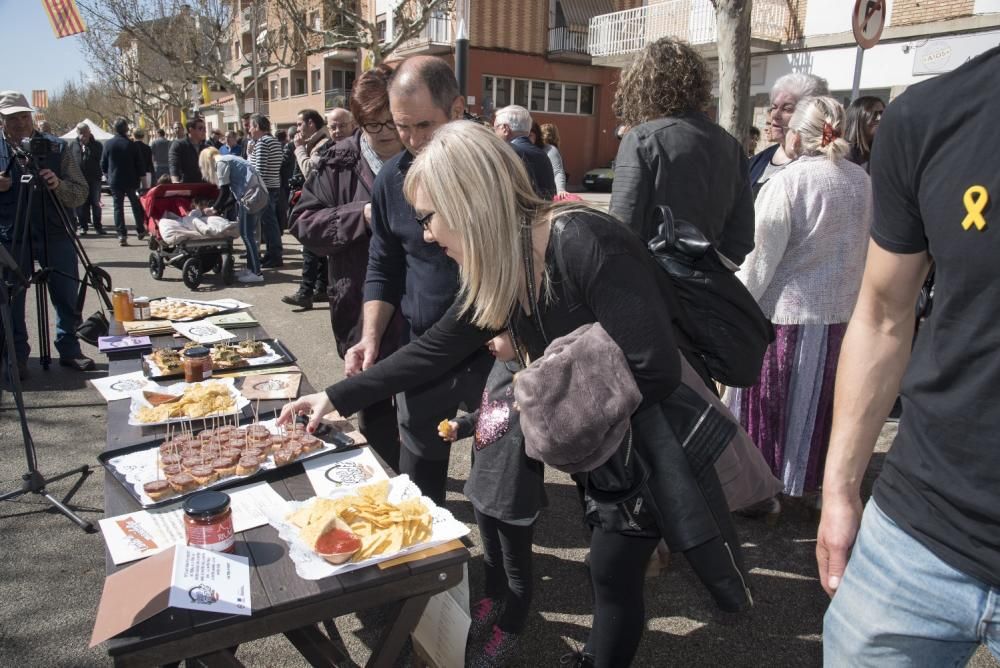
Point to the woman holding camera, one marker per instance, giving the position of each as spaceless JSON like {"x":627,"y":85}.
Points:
{"x":517,"y":253}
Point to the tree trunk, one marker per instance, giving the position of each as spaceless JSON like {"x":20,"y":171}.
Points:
{"x":732,"y":21}
{"x":239,"y":99}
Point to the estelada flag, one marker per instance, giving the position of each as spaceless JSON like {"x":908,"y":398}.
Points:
{"x":65,"y":17}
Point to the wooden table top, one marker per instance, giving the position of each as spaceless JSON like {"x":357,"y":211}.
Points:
{"x":282,"y":601}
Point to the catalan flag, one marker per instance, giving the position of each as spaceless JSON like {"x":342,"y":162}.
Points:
{"x":65,"y":17}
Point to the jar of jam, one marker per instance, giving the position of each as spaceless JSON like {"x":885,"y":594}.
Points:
{"x":140,"y":308}
{"x":208,"y":522}
{"x":197,"y":364}
{"x":121,"y":302}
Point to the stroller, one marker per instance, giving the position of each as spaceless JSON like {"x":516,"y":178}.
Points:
{"x":194,"y":257}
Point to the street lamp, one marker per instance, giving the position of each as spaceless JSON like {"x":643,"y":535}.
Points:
{"x":462,"y":46}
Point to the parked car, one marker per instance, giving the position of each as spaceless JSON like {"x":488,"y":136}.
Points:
{"x":600,"y":178}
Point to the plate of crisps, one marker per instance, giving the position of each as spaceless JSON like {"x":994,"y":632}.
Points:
{"x":362,"y":526}
{"x":195,"y":401}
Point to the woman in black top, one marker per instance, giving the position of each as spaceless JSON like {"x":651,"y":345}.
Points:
{"x":474,"y":199}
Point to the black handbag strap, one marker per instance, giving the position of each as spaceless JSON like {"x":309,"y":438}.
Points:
{"x":527,"y":251}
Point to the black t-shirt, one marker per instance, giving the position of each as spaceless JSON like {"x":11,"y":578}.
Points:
{"x":941,"y":480}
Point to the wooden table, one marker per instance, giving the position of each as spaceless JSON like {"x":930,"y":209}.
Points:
{"x":282,"y":601}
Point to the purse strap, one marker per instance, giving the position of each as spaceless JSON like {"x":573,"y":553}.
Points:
{"x":527,"y":252}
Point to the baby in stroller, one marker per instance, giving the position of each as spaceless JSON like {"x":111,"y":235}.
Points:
{"x":184,"y":234}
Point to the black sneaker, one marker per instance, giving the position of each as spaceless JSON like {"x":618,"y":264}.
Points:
{"x":122,"y":241}
{"x":301,"y":299}
{"x":100,"y":231}
{"x":321,"y":296}
{"x":577,"y":660}
{"x":272,"y":264}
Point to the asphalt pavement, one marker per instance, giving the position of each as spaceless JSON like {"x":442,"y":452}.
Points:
{"x":53,"y":573}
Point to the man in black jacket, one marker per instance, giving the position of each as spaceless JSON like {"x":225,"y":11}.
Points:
{"x":88,"y":152}
{"x":415,"y":277}
{"x":512,"y":124}
{"x":146,"y":153}
{"x":184,"y":154}
{"x":122,"y":163}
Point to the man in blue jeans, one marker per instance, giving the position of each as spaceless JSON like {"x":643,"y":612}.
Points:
{"x":124,"y":166}
{"x":47,"y":241}
{"x":916,"y":581}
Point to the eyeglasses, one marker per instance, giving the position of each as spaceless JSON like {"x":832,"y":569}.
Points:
{"x":375,"y":128}
{"x":425,"y":221}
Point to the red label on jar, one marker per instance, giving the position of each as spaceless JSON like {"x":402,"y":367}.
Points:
{"x":217,"y":536}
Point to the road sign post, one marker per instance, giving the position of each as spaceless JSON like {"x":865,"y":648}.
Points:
{"x":867,"y":22}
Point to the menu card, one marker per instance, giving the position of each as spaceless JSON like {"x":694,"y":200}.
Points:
{"x":181,"y":577}
{"x":144,"y":533}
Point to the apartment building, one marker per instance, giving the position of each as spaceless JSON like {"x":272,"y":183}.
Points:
{"x":320,"y":81}
{"x":532,"y":53}
{"x":922,"y":39}
{"x":527,"y":52}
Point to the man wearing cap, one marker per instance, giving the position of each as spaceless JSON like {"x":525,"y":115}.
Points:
{"x":47,"y":240}
{"x":87,"y":152}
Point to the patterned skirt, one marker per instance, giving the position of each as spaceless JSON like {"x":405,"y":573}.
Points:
{"x":788,"y":413}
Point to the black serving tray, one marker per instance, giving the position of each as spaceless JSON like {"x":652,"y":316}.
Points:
{"x":336,"y":440}
{"x":286,"y":358}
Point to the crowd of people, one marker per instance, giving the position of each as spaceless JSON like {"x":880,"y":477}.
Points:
{"x":458,"y":280}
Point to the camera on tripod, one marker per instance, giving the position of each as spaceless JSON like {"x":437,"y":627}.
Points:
{"x":39,"y":150}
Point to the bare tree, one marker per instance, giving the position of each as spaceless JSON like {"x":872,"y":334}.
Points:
{"x":343,"y":24}
{"x":80,"y":99}
{"x":732,"y":21}
{"x":134,"y":73}
{"x":192,"y":37}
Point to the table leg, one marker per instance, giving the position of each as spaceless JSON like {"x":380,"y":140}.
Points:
{"x":400,"y":623}
{"x":316,"y":648}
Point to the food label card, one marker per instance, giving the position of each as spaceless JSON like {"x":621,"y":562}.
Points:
{"x":210,"y":581}
{"x":144,"y":533}
{"x":180,"y":577}
{"x":340,"y":470}
{"x":122,"y":386}
{"x":203,"y":331}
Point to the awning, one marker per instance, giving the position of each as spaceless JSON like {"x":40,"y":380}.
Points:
{"x":579,"y":12}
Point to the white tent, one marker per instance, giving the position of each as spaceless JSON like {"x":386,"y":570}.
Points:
{"x":95,"y":129}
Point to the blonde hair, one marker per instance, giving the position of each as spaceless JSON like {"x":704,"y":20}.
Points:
{"x":480,"y":189}
{"x":206,"y":161}
{"x":811,"y":116}
{"x":550,"y":134}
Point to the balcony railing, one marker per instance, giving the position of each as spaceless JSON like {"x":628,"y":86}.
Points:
{"x":565,"y":40}
{"x":336,"y":97}
{"x":253,"y":105}
{"x":690,"y":20}
{"x":436,"y":31}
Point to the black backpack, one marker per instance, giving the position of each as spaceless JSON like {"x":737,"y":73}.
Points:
{"x":717,"y":314}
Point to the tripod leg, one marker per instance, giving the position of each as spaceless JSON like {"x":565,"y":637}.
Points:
{"x":32,"y":481}
{"x":42,"y":313}
{"x":73,"y":517}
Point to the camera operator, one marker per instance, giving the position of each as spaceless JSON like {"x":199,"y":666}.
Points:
{"x":48,"y":234}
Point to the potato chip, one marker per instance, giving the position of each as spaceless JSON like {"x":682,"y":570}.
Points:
{"x":383,"y":528}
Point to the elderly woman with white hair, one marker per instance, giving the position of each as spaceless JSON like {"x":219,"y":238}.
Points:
{"x":785,"y":94}
{"x":812,"y":222}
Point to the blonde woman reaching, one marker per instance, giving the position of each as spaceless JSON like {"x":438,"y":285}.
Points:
{"x":474,"y":199}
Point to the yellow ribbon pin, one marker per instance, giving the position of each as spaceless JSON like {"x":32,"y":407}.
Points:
{"x":975,"y":200}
